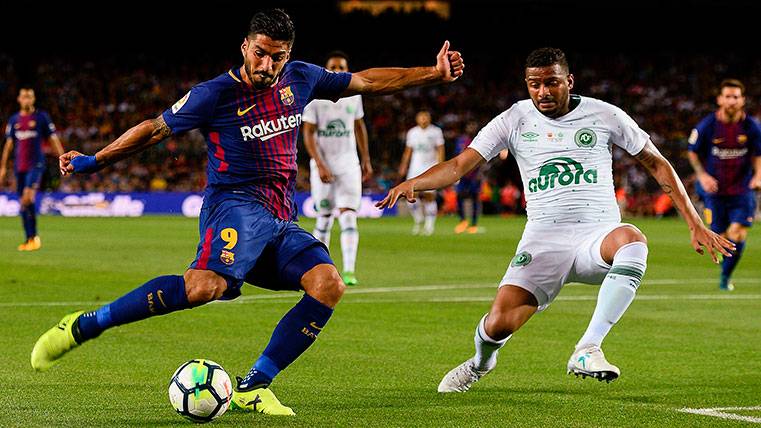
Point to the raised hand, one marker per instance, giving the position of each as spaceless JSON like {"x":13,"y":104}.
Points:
{"x":449,"y":63}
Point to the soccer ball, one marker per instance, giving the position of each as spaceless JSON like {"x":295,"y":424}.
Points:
{"x":200,"y":390}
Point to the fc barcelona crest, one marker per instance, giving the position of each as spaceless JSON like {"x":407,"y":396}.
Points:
{"x":286,"y":96}
{"x":227,"y":257}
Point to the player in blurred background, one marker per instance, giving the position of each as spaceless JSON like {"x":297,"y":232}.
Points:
{"x":469,"y":186}
{"x":563,"y":146}
{"x":333,"y":133}
{"x":724,"y":150}
{"x":249,"y":116}
{"x":26,"y":131}
{"x":424,"y":148}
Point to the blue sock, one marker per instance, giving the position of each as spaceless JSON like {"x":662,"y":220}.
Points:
{"x":460,"y":207}
{"x":293,"y":335}
{"x":32,"y":221}
{"x":476,"y":209}
{"x":158,"y":296}
{"x":728,"y":263}
{"x":25,"y":222}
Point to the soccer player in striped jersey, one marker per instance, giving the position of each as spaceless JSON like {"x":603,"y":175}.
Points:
{"x":250,"y":117}
{"x":26,"y":130}
{"x":724,"y":151}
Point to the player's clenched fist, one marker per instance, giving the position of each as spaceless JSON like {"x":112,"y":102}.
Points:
{"x":64,"y":162}
{"x":73,"y":161}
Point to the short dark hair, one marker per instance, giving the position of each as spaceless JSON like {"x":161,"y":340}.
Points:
{"x":732,"y":83}
{"x":336,"y":54}
{"x":545,"y":57}
{"x":273,"y":23}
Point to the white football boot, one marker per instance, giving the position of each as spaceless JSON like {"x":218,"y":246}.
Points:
{"x":590,"y":361}
{"x":461,"y":378}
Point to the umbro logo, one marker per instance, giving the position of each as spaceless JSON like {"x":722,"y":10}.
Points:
{"x":242,"y":112}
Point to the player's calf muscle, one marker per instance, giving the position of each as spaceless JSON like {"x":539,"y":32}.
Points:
{"x":203,"y":286}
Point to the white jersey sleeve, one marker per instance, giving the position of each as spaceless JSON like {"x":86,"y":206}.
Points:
{"x":494,"y":137}
{"x":360,"y":112}
{"x":408,"y":139}
{"x":625,"y":132}
{"x":439,"y":137}
{"x":309,"y":115}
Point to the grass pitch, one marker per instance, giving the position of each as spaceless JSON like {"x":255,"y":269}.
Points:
{"x":682,"y":344}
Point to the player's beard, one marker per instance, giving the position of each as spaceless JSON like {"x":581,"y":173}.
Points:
{"x":266,"y":81}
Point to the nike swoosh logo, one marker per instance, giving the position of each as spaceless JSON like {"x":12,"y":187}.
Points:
{"x":313,"y":325}
{"x":242,"y":112}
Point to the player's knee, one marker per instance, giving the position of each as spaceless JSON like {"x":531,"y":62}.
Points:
{"x":202,"y":286}
{"x":501,"y":324}
{"x":629,"y":234}
{"x":324,"y":284}
{"x":737,"y":233}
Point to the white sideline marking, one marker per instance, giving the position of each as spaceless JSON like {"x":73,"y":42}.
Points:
{"x":720,"y":412}
{"x":374,"y":290}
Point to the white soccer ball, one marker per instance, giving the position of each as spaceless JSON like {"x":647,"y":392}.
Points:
{"x":200,"y":390}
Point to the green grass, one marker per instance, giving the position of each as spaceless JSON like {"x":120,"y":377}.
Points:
{"x":682,"y":344}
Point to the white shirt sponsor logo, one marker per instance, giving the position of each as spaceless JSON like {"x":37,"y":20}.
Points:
{"x":271,"y":128}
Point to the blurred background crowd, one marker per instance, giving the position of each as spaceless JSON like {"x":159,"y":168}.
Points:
{"x":94,"y":98}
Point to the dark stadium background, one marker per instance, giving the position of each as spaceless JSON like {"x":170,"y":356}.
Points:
{"x":660,"y":61}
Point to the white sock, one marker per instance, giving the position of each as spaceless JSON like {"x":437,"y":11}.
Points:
{"x":322,"y":228}
{"x":431,"y":209}
{"x":416,"y":211}
{"x":616,"y":292}
{"x":486,"y":347}
{"x":349,"y":239}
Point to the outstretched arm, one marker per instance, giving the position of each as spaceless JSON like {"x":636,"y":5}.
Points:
{"x":135,"y":140}
{"x":664,"y":174}
{"x":380,"y":81}
{"x":436,"y":177}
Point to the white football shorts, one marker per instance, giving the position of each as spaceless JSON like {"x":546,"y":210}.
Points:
{"x":344,"y":192}
{"x":552,"y":255}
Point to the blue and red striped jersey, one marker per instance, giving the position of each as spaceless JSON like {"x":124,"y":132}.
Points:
{"x":461,"y":143}
{"x":251,"y":134}
{"x":727,"y":151}
{"x":28,"y":131}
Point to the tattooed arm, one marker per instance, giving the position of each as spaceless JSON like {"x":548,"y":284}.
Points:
{"x":135,"y":140}
{"x":664,"y":174}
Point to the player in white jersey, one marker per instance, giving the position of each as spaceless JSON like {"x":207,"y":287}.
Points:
{"x":424,"y":149}
{"x":332,"y":134}
{"x":563,"y":145}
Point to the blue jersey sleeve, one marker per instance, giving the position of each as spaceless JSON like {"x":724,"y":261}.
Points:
{"x":192,"y":111}
{"x":700,"y":138}
{"x":45,"y":125}
{"x":326,"y":84}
